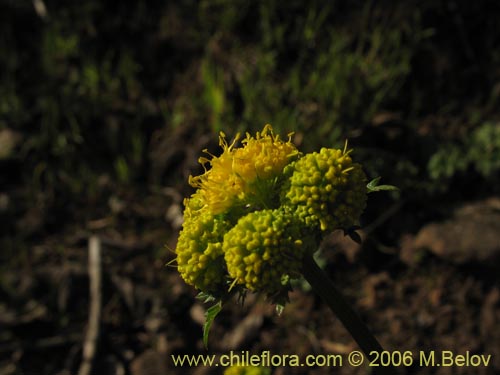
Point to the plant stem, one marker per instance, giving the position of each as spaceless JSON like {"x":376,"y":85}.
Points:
{"x":325,"y":288}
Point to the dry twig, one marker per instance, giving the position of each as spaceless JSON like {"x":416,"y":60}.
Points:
{"x":91,"y":339}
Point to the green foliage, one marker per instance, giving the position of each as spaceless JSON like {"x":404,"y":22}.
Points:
{"x":214,"y":94}
{"x":85,"y":88}
{"x":479,"y":151}
{"x":373,"y":186}
{"x":72,"y":103}
{"x":313,"y":71}
{"x":484,"y":149}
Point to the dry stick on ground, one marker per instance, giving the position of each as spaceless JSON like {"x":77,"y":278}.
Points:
{"x":90,"y":343}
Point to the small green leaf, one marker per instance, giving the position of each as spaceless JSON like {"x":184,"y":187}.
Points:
{"x":373,"y":186}
{"x":373,"y":183}
{"x":205,"y":297}
{"x":210,"y":315}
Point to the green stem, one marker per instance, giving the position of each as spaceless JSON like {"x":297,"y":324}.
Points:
{"x":325,"y":288}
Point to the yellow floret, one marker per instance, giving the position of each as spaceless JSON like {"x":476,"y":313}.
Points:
{"x":245,"y":175}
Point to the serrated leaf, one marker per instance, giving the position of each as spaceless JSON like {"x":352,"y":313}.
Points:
{"x":210,"y":315}
{"x":373,"y":186}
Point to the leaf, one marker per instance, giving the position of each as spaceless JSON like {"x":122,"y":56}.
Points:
{"x":205,"y":297}
{"x":373,"y":186}
{"x":210,"y":315}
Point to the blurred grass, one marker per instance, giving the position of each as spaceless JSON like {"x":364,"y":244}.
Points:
{"x":414,"y":86}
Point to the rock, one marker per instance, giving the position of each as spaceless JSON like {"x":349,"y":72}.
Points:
{"x":471,"y":235}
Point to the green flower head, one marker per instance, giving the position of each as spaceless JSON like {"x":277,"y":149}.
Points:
{"x":200,"y":259}
{"x":326,"y":190}
{"x":264,"y":250}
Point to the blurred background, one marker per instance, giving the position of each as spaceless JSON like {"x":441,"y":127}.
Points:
{"x":104,"y":110}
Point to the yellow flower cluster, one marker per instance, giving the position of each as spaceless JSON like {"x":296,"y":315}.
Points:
{"x":244,"y":176}
{"x":259,"y":208}
{"x":327,"y":190}
{"x":247,"y":370}
{"x":264,"y":250}
{"x":239,"y":181}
